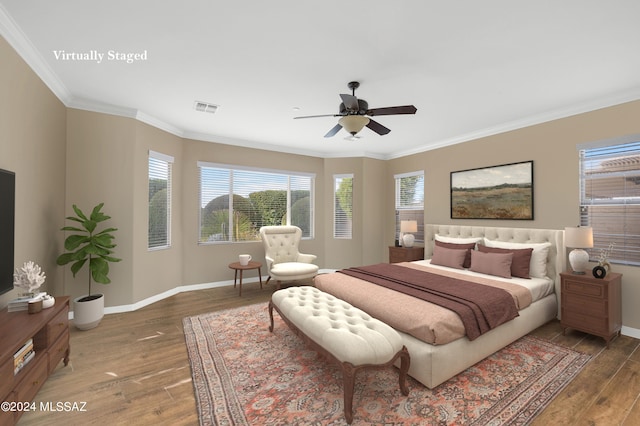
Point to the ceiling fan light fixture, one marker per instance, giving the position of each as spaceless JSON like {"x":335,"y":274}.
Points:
{"x":353,"y":123}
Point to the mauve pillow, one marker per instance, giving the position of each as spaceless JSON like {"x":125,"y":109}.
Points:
{"x":498,"y":264}
{"x":520,"y":262}
{"x":448,"y":257}
{"x":467,"y":247}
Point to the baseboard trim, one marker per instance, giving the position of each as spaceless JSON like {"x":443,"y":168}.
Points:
{"x":161,"y":296}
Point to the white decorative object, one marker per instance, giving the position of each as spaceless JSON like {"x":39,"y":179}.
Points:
{"x":406,"y":228}
{"x":29,"y":278}
{"x":578,"y":238}
{"x":48,"y":301}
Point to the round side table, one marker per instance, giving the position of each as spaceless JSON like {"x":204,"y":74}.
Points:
{"x":236,"y":266}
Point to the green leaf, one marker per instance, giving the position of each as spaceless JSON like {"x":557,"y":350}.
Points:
{"x":65,"y":258}
{"x":77,"y":266}
{"x":72,"y":228}
{"x":89,"y":225}
{"x":73,"y":241}
{"x":111,"y":259}
{"x":79,"y":213}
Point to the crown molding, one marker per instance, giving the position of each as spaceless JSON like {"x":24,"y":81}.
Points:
{"x":27,"y":51}
{"x":585,"y":107}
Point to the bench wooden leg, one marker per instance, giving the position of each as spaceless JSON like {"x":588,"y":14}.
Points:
{"x":405,"y":361}
{"x":349,"y":380}
{"x":271,"y":318}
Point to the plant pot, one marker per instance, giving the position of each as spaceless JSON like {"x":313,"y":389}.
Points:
{"x":87,"y":314}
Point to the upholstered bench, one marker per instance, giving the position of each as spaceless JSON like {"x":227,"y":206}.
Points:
{"x":343,"y":333}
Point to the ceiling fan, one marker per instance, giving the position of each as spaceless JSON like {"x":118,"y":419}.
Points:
{"x":354,"y":114}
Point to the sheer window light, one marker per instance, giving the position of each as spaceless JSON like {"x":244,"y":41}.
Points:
{"x":410,"y":201}
{"x":236,"y":201}
{"x":343,"y":206}
{"x":610,"y":198}
{"x":159,"y":230}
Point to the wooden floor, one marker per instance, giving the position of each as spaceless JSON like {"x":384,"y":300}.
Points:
{"x":133,"y":370}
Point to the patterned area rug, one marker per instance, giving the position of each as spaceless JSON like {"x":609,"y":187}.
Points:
{"x":245,"y":375}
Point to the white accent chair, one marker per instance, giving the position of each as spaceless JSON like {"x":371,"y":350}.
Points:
{"x":284,"y":261}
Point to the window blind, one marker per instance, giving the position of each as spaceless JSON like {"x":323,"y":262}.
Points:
{"x":410,"y":201}
{"x":235,"y":202}
{"x":610,"y":200}
{"x":159,"y":229}
{"x":343,"y":206}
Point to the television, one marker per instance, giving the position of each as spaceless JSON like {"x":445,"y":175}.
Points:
{"x":7,"y":228}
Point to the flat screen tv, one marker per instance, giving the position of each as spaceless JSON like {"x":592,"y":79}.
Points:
{"x":7,"y":226}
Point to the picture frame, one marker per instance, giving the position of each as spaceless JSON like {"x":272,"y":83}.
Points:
{"x":503,"y":192}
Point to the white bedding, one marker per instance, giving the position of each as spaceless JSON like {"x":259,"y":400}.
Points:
{"x":539,"y":287}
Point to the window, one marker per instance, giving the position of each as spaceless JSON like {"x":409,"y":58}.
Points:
{"x":236,"y":201}
{"x":610,"y":198}
{"x":342,"y":206}
{"x":410,"y":201}
{"x":159,"y":234}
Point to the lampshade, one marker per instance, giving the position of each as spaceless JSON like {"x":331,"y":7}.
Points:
{"x":408,"y":226}
{"x":578,"y":237}
{"x":353,"y":123}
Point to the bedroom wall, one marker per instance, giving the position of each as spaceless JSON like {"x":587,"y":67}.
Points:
{"x":552,"y":147}
{"x":32,"y":144}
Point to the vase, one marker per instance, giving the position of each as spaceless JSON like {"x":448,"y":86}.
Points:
{"x":88,"y":311}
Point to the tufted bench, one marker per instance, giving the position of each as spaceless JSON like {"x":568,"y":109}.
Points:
{"x":342,"y":333}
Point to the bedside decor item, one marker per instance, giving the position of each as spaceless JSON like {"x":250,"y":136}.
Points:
{"x":29,"y":278}
{"x":95,"y":248}
{"x":497,"y":192}
{"x":407,"y":228}
{"x":578,"y":238}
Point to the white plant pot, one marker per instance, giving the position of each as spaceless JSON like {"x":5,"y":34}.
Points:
{"x":88,"y":314}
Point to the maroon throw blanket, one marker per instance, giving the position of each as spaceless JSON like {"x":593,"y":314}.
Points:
{"x":480,"y":307}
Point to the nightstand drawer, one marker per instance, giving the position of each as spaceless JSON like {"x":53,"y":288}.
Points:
{"x":585,"y":305}
{"x":586,"y":323}
{"x":584,"y":289}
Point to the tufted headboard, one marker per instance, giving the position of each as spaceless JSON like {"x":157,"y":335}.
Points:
{"x":556,"y":261}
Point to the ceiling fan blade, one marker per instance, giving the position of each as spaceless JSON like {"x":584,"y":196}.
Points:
{"x":378,"y":128}
{"x":405,"y":109}
{"x":333,"y":131}
{"x":350,"y":102}
{"x":316,"y":116}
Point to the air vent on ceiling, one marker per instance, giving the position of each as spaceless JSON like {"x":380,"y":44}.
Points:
{"x":205,"y":107}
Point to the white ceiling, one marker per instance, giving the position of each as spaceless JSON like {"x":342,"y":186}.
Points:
{"x":471,"y":68}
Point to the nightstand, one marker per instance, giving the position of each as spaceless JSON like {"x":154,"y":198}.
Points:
{"x":592,"y":305}
{"x":405,"y":254}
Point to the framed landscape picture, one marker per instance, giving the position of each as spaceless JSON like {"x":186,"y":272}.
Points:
{"x":497,"y":192}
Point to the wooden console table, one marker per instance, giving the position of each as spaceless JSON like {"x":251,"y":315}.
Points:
{"x":49,"y":330}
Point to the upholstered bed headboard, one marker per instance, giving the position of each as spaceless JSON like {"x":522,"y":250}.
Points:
{"x":556,"y":260}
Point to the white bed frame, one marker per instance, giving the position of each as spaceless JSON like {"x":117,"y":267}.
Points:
{"x":434,"y":364}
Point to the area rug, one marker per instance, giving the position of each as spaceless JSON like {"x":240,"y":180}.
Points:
{"x":245,"y":375}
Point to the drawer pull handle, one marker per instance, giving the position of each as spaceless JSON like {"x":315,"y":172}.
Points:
{"x":36,"y":382}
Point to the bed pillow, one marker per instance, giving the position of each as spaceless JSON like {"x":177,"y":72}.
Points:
{"x":467,"y":247}
{"x":520,"y":264}
{"x":456,"y":240}
{"x":448,"y":257}
{"x":498,"y":264}
{"x":538,"y":263}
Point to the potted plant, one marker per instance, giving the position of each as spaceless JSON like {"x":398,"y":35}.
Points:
{"x":94,"y":247}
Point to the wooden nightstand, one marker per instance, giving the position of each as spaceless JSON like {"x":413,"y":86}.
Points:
{"x":405,"y":254}
{"x":592,"y":305}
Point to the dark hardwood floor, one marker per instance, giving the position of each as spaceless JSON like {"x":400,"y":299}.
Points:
{"x":133,"y":370}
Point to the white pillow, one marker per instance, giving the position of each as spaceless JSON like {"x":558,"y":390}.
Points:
{"x":538,"y":264}
{"x":466,"y":240}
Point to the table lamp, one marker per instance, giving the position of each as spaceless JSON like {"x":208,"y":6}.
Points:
{"x":578,"y":238}
{"x":407,"y":227}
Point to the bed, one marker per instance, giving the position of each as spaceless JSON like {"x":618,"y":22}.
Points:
{"x":444,"y":354}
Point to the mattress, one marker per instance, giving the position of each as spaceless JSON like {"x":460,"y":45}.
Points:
{"x":423,"y":320}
